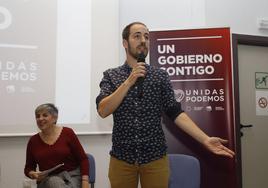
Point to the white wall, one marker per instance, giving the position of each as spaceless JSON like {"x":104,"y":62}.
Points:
{"x":240,"y":15}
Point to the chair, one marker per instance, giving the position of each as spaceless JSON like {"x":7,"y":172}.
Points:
{"x":92,"y":170}
{"x":184,"y":171}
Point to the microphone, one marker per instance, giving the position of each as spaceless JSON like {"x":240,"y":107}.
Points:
{"x":139,"y":82}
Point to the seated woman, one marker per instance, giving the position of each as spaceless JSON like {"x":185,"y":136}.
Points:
{"x":52,"y":146}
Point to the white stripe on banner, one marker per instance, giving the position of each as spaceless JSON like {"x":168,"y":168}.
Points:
{"x":197,"y":80}
{"x":190,"y":38}
{"x":32,"y":47}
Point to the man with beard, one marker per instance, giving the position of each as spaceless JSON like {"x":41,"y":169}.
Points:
{"x":139,"y":148}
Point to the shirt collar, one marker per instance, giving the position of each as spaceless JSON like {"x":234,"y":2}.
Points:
{"x":126,"y":67}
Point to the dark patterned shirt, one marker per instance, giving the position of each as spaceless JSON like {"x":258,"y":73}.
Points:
{"x":137,"y":132}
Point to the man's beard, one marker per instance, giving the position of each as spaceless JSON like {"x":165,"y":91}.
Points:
{"x":135,"y":54}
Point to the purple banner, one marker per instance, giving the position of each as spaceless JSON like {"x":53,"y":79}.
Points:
{"x":199,"y":64}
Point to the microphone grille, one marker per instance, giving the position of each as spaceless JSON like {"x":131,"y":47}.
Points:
{"x":141,"y":57}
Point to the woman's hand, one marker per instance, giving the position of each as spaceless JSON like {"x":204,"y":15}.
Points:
{"x":85,"y":183}
{"x":36,"y":175}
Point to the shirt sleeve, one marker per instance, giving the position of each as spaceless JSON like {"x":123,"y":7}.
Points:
{"x":171,"y":107}
{"x":79,"y":152}
{"x":30,"y":162}
{"x":106,"y":87}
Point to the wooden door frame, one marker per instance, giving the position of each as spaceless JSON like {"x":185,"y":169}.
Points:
{"x":241,"y":39}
